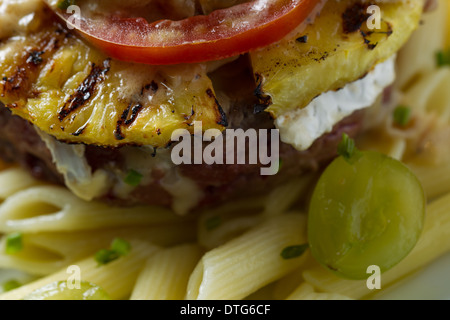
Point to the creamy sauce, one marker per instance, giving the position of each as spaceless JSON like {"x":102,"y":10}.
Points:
{"x":185,"y":193}
{"x":302,"y":127}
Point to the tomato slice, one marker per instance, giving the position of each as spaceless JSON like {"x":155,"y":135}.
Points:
{"x":221,"y":34}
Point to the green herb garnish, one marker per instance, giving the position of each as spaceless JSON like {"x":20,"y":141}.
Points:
{"x":133,"y":178}
{"x":346,"y":147}
{"x":11,"y":285}
{"x":213,"y":223}
{"x":294,"y":251}
{"x":280,"y":164}
{"x":64,"y":4}
{"x":443,"y":58}
{"x":121,"y":246}
{"x":105,"y":256}
{"x":402,"y":115}
{"x":118,"y":248}
{"x":14,"y":243}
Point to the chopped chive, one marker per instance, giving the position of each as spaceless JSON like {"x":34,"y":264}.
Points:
{"x":133,"y":178}
{"x":294,"y":251}
{"x":346,"y":147}
{"x":14,"y":243}
{"x":105,"y":256}
{"x":213,"y":223}
{"x":348,"y":150}
{"x":11,"y":285}
{"x":64,"y":4}
{"x":402,"y":115}
{"x":121,"y":246}
{"x":118,"y":248}
{"x":280,"y":164}
{"x":443,"y":58}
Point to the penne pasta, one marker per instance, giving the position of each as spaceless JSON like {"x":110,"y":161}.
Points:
{"x":45,"y":253}
{"x":284,"y":197}
{"x":215,"y":230}
{"x":418,"y":56}
{"x":435,"y":179}
{"x":248,"y":262}
{"x":166,"y":274}
{"x":117,"y":278}
{"x":216,"y":227}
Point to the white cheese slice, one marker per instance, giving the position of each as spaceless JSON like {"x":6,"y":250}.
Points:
{"x":302,"y":127}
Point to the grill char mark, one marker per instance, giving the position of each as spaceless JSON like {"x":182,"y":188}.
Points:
{"x":354,"y":16}
{"x":85,"y":90}
{"x":129,"y":115}
{"x":222,"y":120}
{"x":19,"y":84}
{"x":264,"y":101}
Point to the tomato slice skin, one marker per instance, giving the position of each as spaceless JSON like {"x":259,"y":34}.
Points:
{"x":223,"y":33}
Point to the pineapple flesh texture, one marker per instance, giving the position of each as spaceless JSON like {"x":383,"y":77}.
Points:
{"x":73,"y":92}
{"x":331,"y":52}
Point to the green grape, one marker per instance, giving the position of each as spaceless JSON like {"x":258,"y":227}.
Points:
{"x":363,"y":212}
{"x":60,"y":291}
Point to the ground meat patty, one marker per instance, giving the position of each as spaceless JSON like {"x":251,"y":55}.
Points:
{"x":19,"y":142}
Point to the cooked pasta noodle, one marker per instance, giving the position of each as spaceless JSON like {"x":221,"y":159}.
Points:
{"x":166,"y":274}
{"x":250,"y":261}
{"x":306,"y":292}
{"x":215,"y":227}
{"x":14,"y":180}
{"x":435,"y":179}
{"x":52,"y":208}
{"x":418,"y":55}
{"x":117,"y":278}
{"x":46,"y":252}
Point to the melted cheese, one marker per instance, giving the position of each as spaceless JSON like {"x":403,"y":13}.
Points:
{"x":72,"y":164}
{"x":18,"y":16}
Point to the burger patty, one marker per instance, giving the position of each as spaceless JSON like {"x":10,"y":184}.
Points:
{"x":20,"y":143}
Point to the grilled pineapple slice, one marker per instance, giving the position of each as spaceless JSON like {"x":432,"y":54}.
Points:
{"x":331,"y":52}
{"x":76,"y":94}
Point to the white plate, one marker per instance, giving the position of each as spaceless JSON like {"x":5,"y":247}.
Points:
{"x":430,"y":283}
